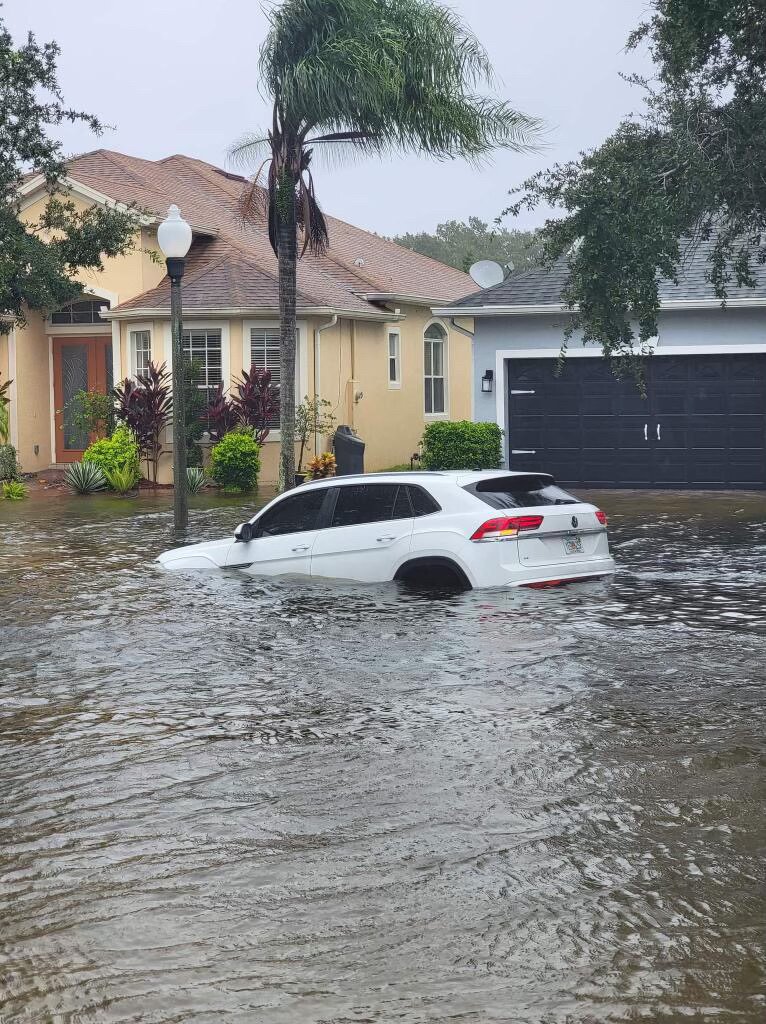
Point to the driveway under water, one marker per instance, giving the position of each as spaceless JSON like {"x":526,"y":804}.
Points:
{"x":228,"y":799}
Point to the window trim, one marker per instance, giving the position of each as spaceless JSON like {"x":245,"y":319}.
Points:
{"x":394,"y":385}
{"x":301,"y":361}
{"x":135,"y":329}
{"x":445,"y":414}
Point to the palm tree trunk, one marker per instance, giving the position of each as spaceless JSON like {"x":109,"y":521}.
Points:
{"x":288,"y":263}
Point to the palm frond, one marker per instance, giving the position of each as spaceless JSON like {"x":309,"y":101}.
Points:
{"x":387,"y":75}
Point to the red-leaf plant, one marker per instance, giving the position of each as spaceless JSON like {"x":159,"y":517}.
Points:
{"x":256,"y":401}
{"x":254,"y":404}
{"x":146,"y":406}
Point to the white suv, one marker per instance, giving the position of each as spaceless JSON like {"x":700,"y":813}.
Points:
{"x":482,"y":529}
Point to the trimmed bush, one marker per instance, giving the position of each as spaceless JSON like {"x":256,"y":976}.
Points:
{"x":235,"y":461}
{"x":118,"y":452}
{"x":462,"y":445}
{"x":9,"y":467}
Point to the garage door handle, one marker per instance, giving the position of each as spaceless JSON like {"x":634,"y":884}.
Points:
{"x":302,"y":547}
{"x":659,"y":435}
{"x":646,"y":431}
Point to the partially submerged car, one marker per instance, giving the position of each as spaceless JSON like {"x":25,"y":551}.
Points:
{"x":480,"y":529}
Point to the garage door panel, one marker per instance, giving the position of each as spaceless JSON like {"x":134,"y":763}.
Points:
{"x":587,"y":427}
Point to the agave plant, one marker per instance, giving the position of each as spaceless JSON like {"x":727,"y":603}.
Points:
{"x":122,"y":479}
{"x":195,"y":479}
{"x":84,"y":477}
{"x":13,"y":490}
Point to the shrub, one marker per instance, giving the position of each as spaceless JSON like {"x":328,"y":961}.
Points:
{"x":195,"y":479}
{"x":120,"y":451}
{"x":13,"y":490}
{"x":92,"y":412}
{"x":9,"y":467}
{"x":462,"y":445}
{"x":122,"y":479}
{"x":84,"y":477}
{"x":235,"y":462}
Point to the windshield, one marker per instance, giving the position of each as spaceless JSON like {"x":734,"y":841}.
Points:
{"x":521,"y":492}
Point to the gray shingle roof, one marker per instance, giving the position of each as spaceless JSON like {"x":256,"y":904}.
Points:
{"x":540,"y":287}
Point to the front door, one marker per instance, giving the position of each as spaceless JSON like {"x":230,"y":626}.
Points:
{"x":79,"y":364}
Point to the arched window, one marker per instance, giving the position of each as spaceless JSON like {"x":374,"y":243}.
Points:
{"x":434,"y":361}
{"x":87,"y":311}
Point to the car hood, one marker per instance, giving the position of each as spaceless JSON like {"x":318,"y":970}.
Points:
{"x":197,"y":556}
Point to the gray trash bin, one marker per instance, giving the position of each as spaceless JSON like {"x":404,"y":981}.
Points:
{"x":349,"y":452}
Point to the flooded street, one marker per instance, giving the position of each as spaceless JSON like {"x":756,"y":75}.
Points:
{"x":227,"y":799}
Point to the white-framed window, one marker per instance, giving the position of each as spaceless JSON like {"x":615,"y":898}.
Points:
{"x":394,"y":359}
{"x":264,"y":354}
{"x":140,"y":351}
{"x":86,"y":311}
{"x":434,"y":372}
{"x":203,"y":346}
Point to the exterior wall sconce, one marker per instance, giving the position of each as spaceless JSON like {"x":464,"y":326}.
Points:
{"x":487,"y":382}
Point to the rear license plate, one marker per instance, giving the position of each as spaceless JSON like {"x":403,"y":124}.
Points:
{"x":573,"y":545}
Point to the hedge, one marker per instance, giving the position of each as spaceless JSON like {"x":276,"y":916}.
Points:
{"x":462,"y":445}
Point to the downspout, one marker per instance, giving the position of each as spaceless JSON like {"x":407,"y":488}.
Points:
{"x":352,"y":382}
{"x":468,"y":334}
{"x":318,"y":365}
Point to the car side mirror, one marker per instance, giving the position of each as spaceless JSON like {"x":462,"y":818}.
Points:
{"x":244,"y":532}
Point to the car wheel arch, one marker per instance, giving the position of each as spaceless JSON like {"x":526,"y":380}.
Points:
{"x":421,"y":565}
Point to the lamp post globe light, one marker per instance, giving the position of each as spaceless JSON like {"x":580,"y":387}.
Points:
{"x":174,"y":237}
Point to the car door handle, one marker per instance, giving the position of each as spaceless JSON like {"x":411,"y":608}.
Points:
{"x":659,"y":435}
{"x":646,"y":431}
{"x":382,"y":540}
{"x":302,"y":547}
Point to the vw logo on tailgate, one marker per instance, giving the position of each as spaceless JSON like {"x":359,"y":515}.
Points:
{"x":575,"y":522}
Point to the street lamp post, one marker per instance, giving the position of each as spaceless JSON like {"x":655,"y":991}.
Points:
{"x":174,"y":237}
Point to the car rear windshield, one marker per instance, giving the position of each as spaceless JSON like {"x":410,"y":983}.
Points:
{"x":521,"y":492}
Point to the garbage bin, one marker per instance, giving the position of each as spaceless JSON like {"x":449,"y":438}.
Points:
{"x":349,"y":452}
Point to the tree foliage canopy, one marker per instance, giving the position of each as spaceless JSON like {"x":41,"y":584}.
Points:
{"x":460,"y":244}
{"x":38,"y":262}
{"x":689,"y":168}
{"x":360,"y":77}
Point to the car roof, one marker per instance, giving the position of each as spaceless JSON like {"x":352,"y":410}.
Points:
{"x":458,"y":476}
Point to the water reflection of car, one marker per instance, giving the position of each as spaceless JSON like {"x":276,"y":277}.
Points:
{"x":478,"y":529}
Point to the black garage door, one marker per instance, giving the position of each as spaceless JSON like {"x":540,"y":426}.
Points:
{"x":702,"y":423}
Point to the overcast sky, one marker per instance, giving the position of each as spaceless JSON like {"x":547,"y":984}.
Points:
{"x":180,"y":76}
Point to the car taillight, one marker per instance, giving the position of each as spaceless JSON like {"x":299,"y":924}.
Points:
{"x":504,"y":528}
{"x":601,"y":516}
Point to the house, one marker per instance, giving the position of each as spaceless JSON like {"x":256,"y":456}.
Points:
{"x":367,"y":340}
{"x":702,"y":423}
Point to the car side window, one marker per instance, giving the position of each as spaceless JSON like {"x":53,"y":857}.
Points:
{"x":296,"y":514}
{"x":422,"y":502}
{"x":369,"y":503}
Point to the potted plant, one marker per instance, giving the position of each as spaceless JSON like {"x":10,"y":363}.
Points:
{"x":313,"y":416}
{"x":321,"y":466}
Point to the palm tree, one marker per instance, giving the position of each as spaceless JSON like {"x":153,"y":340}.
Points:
{"x":363,"y":77}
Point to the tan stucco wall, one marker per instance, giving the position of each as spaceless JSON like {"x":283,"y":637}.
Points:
{"x":390,"y":420}
{"x":34,"y":400}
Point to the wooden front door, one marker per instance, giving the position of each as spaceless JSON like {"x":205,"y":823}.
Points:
{"x":79,"y":364}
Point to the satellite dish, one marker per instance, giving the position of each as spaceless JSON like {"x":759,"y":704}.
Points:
{"x":487,"y":273}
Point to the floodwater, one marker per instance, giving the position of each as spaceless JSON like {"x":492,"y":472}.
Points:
{"x":226,"y":799}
